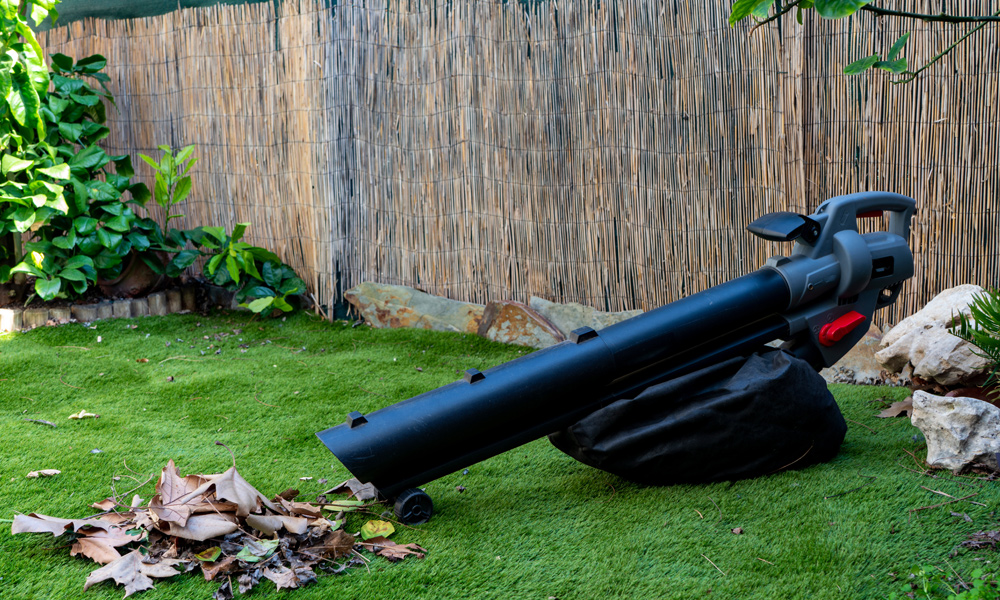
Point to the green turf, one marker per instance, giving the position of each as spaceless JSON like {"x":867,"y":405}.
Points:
{"x":532,"y":523}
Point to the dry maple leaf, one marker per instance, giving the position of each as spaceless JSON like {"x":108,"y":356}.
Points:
{"x":201,"y":527}
{"x":269,"y":524}
{"x":99,"y":545}
{"x":172,"y":501}
{"x":39,"y":523}
{"x":283,"y":577}
{"x":232,"y":487}
{"x":392,"y":551}
{"x":131,"y":572}
{"x":360,"y":491}
{"x":898,"y":409}
{"x":106,"y":504}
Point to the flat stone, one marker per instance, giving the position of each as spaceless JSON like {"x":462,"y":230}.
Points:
{"x":189,"y":298}
{"x":157,"y":303}
{"x":105,"y":310}
{"x":60,"y":315}
{"x":174,"y":301}
{"x":924,"y":341}
{"x":140,"y":308}
{"x":516,"y":323}
{"x":84,"y":313}
{"x":10,"y":319}
{"x":400,"y":306}
{"x":569,"y":316}
{"x":121,"y":309}
{"x":860,"y":367}
{"x":959,"y":431}
{"x":34,"y":317}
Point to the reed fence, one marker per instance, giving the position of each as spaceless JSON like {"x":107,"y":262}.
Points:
{"x":609,"y":153}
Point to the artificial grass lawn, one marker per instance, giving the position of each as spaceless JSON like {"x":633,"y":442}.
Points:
{"x":531,"y":523}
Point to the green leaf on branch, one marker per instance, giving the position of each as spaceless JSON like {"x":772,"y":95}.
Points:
{"x":744,"y":8}
{"x":60,"y":171}
{"x":761,"y":11}
{"x":109,"y":239}
{"x":893,"y":66}
{"x":120,"y":224}
{"x":13,"y":164}
{"x":897,"y":47}
{"x":860,"y":66}
{"x":838,"y":9}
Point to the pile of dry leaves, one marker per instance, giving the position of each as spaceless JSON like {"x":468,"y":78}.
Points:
{"x":221,"y":526}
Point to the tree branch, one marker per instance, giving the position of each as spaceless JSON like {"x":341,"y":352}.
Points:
{"x":911,"y":75}
{"x":775,"y":16}
{"x":938,"y":18}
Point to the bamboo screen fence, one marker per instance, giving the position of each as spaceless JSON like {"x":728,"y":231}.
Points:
{"x":609,"y":153}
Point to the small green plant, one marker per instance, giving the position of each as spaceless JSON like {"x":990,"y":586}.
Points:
{"x":932,"y":583}
{"x":981,"y":328}
{"x":259,"y":279}
{"x":173,"y":184}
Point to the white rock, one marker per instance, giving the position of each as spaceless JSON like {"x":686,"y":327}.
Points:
{"x":924,"y":341}
{"x":959,"y":431}
{"x":859,"y":366}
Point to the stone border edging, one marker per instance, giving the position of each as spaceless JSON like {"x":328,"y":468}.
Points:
{"x":172,"y":301}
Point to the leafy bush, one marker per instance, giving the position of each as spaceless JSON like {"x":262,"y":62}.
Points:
{"x":89,"y":234}
{"x":982,"y":329}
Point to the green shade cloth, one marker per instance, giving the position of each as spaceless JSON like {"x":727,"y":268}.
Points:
{"x":74,"y":10}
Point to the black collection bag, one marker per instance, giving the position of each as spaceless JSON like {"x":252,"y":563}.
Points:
{"x":741,"y":418}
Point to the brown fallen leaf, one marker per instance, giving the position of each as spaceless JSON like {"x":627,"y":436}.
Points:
{"x":392,"y":551}
{"x":269,"y":524}
{"x":106,"y":504}
{"x":898,"y":409}
{"x":232,"y":487}
{"x":95,"y":549}
{"x":83,"y":415}
{"x":360,"y":491}
{"x":39,"y":523}
{"x":282,"y":576}
{"x":214,"y":569}
{"x":173,"y":501}
{"x":43,"y":473}
{"x":130,"y":571}
{"x":302,"y":509}
{"x":201,"y":527}
{"x":142,"y":360}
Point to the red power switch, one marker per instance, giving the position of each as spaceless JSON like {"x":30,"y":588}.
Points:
{"x":841,"y":326}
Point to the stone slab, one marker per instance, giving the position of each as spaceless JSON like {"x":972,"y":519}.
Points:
{"x":34,"y":317}
{"x":516,"y":323}
{"x":61,"y":314}
{"x":157,"y":304}
{"x":174,"y":301}
{"x":84,"y":313}
{"x":401,"y":306}
{"x":121,"y":309}
{"x":10,"y":319}
{"x":140,"y":307}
